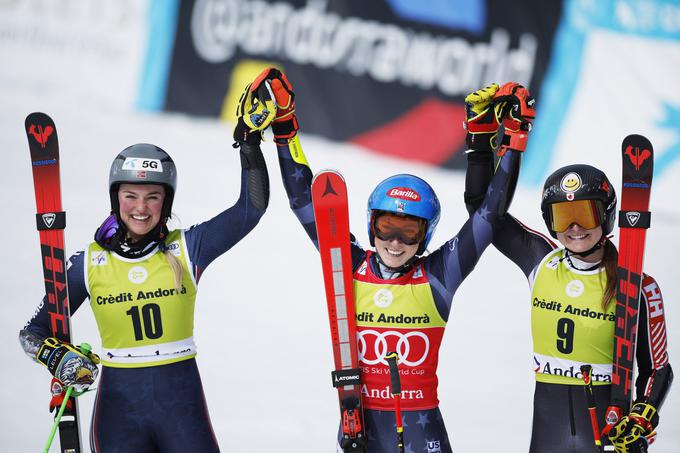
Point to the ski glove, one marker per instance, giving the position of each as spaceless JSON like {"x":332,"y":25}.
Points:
{"x":482,"y":119}
{"x":285,"y":124}
{"x":518,"y":113}
{"x":255,"y":111}
{"x":69,"y":364}
{"x":634,"y":432}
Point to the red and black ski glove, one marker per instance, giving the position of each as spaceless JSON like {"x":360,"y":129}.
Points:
{"x":482,"y":119}
{"x":284,"y":125}
{"x":518,"y":113}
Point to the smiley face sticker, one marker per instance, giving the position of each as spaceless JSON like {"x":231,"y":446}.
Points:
{"x":570,"y":184}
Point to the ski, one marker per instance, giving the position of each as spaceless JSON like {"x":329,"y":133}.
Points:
{"x":51,"y":220}
{"x":329,"y":198}
{"x":634,"y":219}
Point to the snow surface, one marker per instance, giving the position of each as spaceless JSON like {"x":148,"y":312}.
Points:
{"x":261,"y":324}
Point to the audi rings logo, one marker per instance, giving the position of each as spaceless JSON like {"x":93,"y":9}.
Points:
{"x":412,"y":347}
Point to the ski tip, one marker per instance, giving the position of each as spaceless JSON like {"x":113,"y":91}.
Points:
{"x":38,"y":118}
{"x":637,"y":140}
{"x":327,"y":172}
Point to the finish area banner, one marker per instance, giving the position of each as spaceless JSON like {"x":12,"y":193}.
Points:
{"x":389,"y":75}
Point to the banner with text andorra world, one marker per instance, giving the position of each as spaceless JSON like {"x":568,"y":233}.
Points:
{"x":389,"y":75}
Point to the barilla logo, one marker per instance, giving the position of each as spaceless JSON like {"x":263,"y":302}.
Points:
{"x":404,"y":194}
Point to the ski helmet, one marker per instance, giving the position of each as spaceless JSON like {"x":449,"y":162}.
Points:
{"x":143,"y":164}
{"x":409,"y":195}
{"x":580,"y":182}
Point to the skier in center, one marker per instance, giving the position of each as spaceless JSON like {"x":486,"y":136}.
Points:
{"x":403,"y":297}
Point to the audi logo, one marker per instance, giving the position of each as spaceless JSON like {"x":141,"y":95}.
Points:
{"x":407,"y":355}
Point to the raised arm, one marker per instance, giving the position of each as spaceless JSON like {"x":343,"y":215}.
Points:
{"x":295,"y":170}
{"x":522,"y":245}
{"x":208,"y":240}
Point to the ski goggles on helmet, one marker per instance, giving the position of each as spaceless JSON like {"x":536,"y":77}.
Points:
{"x":408,"y":230}
{"x":588,"y":214}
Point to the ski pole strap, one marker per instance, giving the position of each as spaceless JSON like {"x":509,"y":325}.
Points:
{"x":634,"y":219}
{"x":50,"y":221}
{"x":350,"y":376}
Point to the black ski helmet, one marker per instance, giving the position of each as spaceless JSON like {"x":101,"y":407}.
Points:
{"x":143,"y":164}
{"x":579,"y":182}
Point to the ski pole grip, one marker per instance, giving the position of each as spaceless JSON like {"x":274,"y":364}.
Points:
{"x":586,"y":373}
{"x":85,"y":348}
{"x":395,"y":381}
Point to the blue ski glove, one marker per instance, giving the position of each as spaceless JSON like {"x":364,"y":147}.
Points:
{"x":69,"y":364}
{"x":634,"y":432}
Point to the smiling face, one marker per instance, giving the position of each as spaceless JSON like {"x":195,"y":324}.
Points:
{"x":394,"y":253}
{"x":578,"y":239}
{"x":140,"y":208}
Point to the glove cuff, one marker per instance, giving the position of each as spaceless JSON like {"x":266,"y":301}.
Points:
{"x":285,"y":129}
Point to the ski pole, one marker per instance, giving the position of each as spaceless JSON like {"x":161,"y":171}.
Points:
{"x":395,"y":383}
{"x":586,"y":374}
{"x":85,"y":348}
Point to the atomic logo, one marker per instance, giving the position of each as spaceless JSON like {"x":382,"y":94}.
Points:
{"x":41,"y":135}
{"x":329,"y":190}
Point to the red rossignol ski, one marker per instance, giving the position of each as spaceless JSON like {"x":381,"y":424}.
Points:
{"x":329,"y":197}
{"x":634,"y":219}
{"x":51,"y":220}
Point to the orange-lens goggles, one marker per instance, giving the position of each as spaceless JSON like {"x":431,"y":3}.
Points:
{"x":586,"y":213}
{"x":408,"y":230}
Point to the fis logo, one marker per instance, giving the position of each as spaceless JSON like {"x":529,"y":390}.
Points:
{"x":98,"y":259}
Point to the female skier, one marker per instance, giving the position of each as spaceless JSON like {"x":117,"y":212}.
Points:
{"x":141,"y":280}
{"x":572,"y":301}
{"x":403,"y":299}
